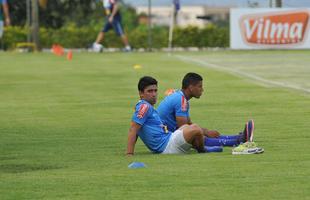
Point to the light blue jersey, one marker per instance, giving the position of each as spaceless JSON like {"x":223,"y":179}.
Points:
{"x":152,"y":131}
{"x":174,"y":105}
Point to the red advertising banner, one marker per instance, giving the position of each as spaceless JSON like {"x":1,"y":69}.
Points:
{"x":270,"y":28}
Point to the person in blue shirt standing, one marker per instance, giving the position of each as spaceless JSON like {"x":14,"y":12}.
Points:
{"x":147,"y":125}
{"x":113,"y":20}
{"x":4,"y":6}
{"x":174,"y":111}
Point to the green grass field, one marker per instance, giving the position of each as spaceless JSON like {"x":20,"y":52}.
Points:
{"x":64,"y":125}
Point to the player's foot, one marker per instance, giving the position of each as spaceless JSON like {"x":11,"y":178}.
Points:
{"x":247,"y":148}
{"x":127,"y":49}
{"x":211,"y":149}
{"x":248,"y":133}
{"x":97,"y":47}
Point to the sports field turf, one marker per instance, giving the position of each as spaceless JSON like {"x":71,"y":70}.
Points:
{"x":64,"y":124}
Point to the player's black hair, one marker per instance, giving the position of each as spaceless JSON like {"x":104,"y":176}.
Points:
{"x":190,"y":78}
{"x":146,"y":81}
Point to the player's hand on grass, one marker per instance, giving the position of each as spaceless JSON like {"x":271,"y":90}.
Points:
{"x":213,"y":134}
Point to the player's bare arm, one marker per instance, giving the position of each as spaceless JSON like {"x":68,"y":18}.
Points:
{"x":182,"y":121}
{"x":114,"y":11}
{"x":132,"y":137}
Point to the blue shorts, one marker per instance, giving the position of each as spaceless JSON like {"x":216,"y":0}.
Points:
{"x":116,"y":24}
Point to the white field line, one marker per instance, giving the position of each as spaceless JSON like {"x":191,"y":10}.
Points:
{"x":241,"y":73}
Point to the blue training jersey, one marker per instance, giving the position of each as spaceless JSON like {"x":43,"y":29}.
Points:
{"x":174,"y":105}
{"x":152,"y":131}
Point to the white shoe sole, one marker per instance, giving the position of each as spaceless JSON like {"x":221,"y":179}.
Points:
{"x":246,"y":152}
{"x":259,"y":150}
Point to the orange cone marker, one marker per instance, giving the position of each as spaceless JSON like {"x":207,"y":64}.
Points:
{"x":69,"y":55}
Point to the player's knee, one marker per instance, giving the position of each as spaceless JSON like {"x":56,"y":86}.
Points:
{"x":192,"y":133}
{"x":197,"y":129}
{"x":183,"y":127}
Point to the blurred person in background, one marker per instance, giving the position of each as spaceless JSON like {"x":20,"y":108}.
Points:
{"x":4,"y":16}
{"x":113,"y":20}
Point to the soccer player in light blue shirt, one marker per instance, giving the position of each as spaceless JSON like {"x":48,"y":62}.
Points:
{"x":147,"y":125}
{"x":152,"y":132}
{"x":174,"y":106}
{"x":174,"y":111}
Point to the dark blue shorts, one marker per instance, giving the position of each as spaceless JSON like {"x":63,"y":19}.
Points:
{"x":116,"y":25}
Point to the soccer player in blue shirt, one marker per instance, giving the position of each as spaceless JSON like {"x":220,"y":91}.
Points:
{"x":5,"y":7}
{"x":113,"y":20}
{"x":147,"y":125}
{"x":174,"y":111}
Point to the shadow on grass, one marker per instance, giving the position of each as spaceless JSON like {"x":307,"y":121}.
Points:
{"x":21,"y":168}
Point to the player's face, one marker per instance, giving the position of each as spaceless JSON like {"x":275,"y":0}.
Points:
{"x":149,"y":94}
{"x":197,"y":89}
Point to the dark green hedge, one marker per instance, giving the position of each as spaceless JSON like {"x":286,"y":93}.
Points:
{"x":71,"y":36}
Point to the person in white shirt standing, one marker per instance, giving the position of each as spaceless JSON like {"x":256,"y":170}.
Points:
{"x":113,"y":20}
{"x":7,"y":21}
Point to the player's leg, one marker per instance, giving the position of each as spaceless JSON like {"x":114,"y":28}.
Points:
{"x":177,"y":144}
{"x":97,"y":46}
{"x":231,"y":137}
{"x":106,"y":27}
{"x":233,"y":140}
{"x":250,"y":131}
{"x":208,"y":149}
{"x":193,"y":135}
{"x":100,"y":37}
{"x":246,"y":135}
{"x":213,"y":138}
{"x":118,"y":27}
{"x":221,"y":142}
{"x":125,"y":42}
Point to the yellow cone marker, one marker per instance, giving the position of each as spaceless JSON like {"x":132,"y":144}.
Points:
{"x":137,"y":66}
